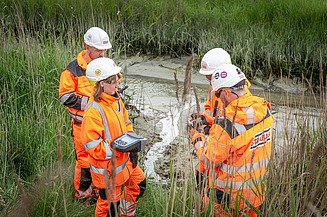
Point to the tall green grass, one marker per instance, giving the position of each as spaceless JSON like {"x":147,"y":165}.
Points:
{"x":30,"y":110}
{"x":274,"y":37}
{"x":39,"y":38}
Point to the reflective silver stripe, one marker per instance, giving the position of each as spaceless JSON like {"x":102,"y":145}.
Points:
{"x":76,"y":117}
{"x":64,"y":97}
{"x":100,"y":171}
{"x":108,"y":150}
{"x":121,"y":167}
{"x":128,"y":123}
{"x":198,"y":145}
{"x":208,"y":112}
{"x":104,"y":119}
{"x":127,"y":208}
{"x":250,"y":167}
{"x":250,"y":113}
{"x":85,"y":99}
{"x":249,"y":184}
{"x":204,"y":160}
{"x":92,"y":144}
{"x":239,"y":127}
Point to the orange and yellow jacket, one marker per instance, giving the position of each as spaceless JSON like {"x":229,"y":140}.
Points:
{"x":74,"y":87}
{"x":238,"y":149}
{"x":214,"y":106}
{"x":103,"y":122}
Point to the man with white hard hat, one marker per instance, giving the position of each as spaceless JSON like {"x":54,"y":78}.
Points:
{"x":210,"y":62}
{"x":213,"y":107}
{"x":74,"y":93}
{"x":238,"y":147}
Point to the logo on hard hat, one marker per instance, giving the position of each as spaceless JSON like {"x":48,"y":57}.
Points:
{"x":204,"y":65}
{"x":217,"y":75}
{"x":105,"y":42}
{"x":89,"y":36}
{"x":223,"y":74}
{"x":97,"y":72}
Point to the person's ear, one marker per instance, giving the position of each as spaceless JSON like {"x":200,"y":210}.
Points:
{"x":101,"y":83}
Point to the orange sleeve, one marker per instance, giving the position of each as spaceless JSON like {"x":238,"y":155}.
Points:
{"x":67,"y":91}
{"x":218,"y":146}
{"x":68,"y":83}
{"x":92,"y":135}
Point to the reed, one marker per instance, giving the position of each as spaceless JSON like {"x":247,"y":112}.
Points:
{"x":267,"y":37}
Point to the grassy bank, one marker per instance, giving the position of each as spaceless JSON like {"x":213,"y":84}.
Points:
{"x":275,"y":37}
{"x":39,"y":38}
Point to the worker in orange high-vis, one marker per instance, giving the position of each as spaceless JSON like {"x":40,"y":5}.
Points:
{"x":213,"y":106}
{"x":74,"y":93}
{"x":120,"y":181}
{"x":238,"y":147}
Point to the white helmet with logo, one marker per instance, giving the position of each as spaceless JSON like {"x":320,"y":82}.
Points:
{"x":227,"y":75}
{"x":213,"y":59}
{"x":98,"y":38}
{"x":100,"y":69}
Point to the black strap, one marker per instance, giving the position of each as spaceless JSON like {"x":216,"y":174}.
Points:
{"x":102,"y":193}
{"x":219,"y":196}
{"x":197,"y":140}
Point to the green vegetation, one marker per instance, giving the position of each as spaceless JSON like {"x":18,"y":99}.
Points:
{"x":40,"y":37}
{"x":275,"y":37}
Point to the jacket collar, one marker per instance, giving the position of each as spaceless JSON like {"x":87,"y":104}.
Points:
{"x":109,"y":99}
{"x":81,"y":61}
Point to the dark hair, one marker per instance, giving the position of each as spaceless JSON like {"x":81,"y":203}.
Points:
{"x":98,"y":91}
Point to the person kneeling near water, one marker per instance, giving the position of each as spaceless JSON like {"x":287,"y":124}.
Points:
{"x":238,"y":147}
{"x":106,"y":119}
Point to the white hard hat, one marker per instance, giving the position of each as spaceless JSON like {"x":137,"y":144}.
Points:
{"x":98,"y":38}
{"x":213,"y":59}
{"x":100,"y":69}
{"x":227,"y":75}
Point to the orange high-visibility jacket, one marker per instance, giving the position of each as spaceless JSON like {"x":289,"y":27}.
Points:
{"x":103,"y":122}
{"x":74,"y":87}
{"x":214,"y":106}
{"x":238,"y":149}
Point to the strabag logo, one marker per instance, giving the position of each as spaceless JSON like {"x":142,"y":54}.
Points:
{"x":260,"y":139}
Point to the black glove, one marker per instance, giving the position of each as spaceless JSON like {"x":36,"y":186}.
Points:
{"x":133,"y":156}
{"x":199,"y":123}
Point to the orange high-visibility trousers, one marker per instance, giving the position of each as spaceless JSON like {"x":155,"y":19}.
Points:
{"x":127,"y":198}
{"x":82,"y":175}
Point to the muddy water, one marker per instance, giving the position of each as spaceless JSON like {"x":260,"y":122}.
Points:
{"x":154,"y":94}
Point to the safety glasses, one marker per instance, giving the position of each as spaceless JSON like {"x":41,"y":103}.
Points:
{"x":218,"y":93}
{"x":111,"y":80}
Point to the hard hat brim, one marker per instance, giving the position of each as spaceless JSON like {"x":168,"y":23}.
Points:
{"x":206,"y":72}
{"x":103,"y":47}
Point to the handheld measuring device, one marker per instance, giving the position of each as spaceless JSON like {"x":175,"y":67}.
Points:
{"x":129,"y":142}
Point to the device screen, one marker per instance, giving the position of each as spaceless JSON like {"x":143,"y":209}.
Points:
{"x":127,"y":139}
